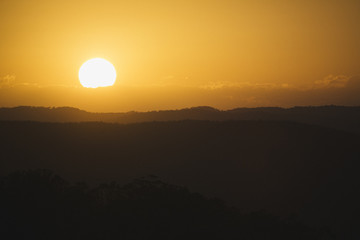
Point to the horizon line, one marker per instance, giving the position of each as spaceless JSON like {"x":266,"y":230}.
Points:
{"x":181,"y":109}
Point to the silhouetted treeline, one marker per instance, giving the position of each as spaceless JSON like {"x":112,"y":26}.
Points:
{"x":283,"y":168}
{"x":40,"y":205}
{"x":339,"y":117}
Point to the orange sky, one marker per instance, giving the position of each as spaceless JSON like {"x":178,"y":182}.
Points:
{"x":175,"y":54}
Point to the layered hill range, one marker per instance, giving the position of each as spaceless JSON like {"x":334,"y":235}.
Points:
{"x":263,"y":159}
{"x":339,"y":117}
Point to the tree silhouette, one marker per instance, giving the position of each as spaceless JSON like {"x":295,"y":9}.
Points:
{"x":40,"y":205}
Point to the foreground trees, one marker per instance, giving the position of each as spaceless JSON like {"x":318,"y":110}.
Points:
{"x":41,"y":205}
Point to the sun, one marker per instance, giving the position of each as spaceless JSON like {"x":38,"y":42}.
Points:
{"x":97,"y":72}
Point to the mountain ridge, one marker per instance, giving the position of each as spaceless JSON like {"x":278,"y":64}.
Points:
{"x":339,"y":117}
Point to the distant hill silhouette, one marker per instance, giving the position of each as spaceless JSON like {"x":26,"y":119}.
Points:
{"x":339,"y":117}
{"x":282,"y":168}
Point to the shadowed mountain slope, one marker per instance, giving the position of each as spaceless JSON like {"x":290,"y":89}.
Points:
{"x":344,"y":118}
{"x":279,"y":167}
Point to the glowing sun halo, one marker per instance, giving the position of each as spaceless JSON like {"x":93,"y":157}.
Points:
{"x":97,"y":72}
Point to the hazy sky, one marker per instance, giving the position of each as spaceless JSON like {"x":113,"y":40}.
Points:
{"x":175,"y":54}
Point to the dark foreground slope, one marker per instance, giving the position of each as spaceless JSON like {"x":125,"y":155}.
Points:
{"x":40,"y":205}
{"x":280,"y":167}
{"x":339,"y":117}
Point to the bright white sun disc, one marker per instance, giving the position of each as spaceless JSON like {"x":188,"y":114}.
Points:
{"x":97,"y":72}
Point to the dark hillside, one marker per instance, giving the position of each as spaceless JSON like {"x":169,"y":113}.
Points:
{"x":38,"y":204}
{"x":338,"y":117}
{"x":279,"y":167}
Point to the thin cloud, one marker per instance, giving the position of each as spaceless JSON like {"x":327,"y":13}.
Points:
{"x":7,"y":80}
{"x":332,"y":89}
{"x":243,"y":85}
{"x":332,"y":81}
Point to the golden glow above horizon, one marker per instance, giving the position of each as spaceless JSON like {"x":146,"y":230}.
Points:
{"x":97,"y":72}
{"x":180,"y":53}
